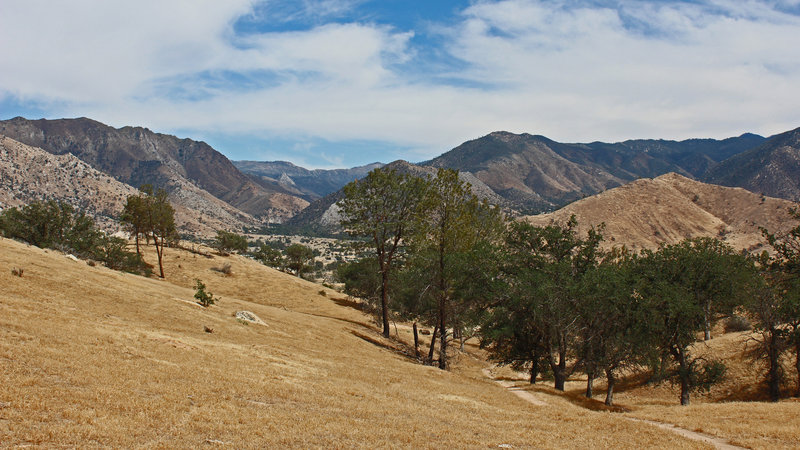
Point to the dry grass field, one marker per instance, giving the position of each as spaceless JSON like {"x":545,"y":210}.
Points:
{"x":90,"y":357}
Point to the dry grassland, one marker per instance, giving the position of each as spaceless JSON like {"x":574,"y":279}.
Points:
{"x":92,"y":357}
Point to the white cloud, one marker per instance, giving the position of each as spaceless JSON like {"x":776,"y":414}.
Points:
{"x":574,"y":73}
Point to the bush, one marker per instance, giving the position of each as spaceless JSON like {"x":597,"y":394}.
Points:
{"x":114,"y":253}
{"x":227,"y":242}
{"x":204,"y":298}
{"x":225,"y":268}
{"x":737,"y":323}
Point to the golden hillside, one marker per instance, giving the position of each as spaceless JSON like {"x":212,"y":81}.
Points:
{"x":670,"y":208}
{"x":93,"y":357}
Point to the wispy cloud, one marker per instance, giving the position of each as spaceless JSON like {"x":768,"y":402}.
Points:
{"x":571,"y":70}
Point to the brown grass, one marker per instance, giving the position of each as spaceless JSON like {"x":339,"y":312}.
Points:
{"x":93,"y":357}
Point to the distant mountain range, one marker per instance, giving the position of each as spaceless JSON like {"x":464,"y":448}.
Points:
{"x":535,"y":173}
{"x":522,"y":172}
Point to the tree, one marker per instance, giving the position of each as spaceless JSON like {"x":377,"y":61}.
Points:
{"x":453,"y":225}
{"x":382,"y":208}
{"x":226,"y":242}
{"x":299,"y":258}
{"x":52,"y":224}
{"x":268,"y":255}
{"x":151,"y":215}
{"x":614,"y":332}
{"x":676,"y":293}
{"x":783,"y":274}
{"x":545,"y":266}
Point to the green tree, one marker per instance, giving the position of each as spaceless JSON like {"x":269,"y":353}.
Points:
{"x":226,"y":242}
{"x":151,"y":215}
{"x":268,"y":255}
{"x":669,"y":281}
{"x":545,"y":266}
{"x":453,"y":226}
{"x":52,"y":224}
{"x":382,"y":208}
{"x":782,"y":271}
{"x":299,"y":258}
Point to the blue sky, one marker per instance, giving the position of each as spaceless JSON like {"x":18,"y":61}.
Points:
{"x":339,"y":83}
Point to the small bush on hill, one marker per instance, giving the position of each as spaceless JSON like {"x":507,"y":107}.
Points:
{"x":225,"y":269}
{"x":204,"y":298}
{"x":736,"y":323}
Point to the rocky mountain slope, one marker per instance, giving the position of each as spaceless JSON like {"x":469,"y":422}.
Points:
{"x":772,"y":168}
{"x":323,"y":214}
{"x":670,"y":208}
{"x":310,"y":184}
{"x":30,"y":174}
{"x":536,"y":173}
{"x":137,"y":155}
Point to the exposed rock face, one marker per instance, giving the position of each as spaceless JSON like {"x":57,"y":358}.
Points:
{"x":309,"y":184}
{"x":137,"y":156}
{"x":670,"y":208}
{"x":30,"y":174}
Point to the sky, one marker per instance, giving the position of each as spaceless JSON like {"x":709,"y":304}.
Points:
{"x":341,"y":83}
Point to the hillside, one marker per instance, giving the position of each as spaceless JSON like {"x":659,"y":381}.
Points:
{"x":137,"y":156}
{"x":30,"y":174}
{"x":96,"y":357}
{"x":670,"y":208}
{"x":323,"y":214}
{"x":772,"y":168}
{"x":536,"y":173}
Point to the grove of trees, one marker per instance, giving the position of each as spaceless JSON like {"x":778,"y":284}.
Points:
{"x":553,"y":303}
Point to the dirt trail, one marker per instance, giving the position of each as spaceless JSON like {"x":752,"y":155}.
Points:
{"x":717,"y":442}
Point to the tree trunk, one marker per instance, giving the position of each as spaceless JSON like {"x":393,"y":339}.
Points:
{"x":683,"y":372}
{"x":590,"y":384}
{"x":416,"y":341}
{"x":707,"y":321}
{"x":559,"y":370}
{"x":137,"y":244}
{"x":610,"y":389}
{"x":160,"y":253}
{"x":384,"y":301}
{"x":773,"y":370}
{"x":534,"y":369}
{"x":433,"y":344}
{"x":442,"y":345}
{"x":797,"y":358}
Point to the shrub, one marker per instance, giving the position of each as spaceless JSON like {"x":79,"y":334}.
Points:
{"x":204,"y":298}
{"x":737,"y":323}
{"x":17,"y":272}
{"x":225,"y":268}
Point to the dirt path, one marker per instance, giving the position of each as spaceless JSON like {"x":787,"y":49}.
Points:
{"x":518,"y":391}
{"x":717,"y":442}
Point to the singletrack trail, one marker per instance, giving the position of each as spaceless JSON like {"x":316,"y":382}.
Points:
{"x":717,"y":442}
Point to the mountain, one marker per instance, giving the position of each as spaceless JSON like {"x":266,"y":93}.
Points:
{"x":29,"y":174}
{"x":323,"y":214}
{"x":137,"y":156}
{"x":309,"y":184}
{"x":670,"y":208}
{"x":772,"y":168}
{"x":535,"y":173}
